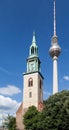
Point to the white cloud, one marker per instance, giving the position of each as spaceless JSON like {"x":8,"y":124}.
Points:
{"x":2,"y":118}
{"x":7,"y":106}
{"x":66,"y":78}
{"x":9,"y":90}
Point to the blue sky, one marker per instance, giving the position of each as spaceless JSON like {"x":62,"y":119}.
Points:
{"x":18,"y":20}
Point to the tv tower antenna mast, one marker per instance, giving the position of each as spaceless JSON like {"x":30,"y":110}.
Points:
{"x":54,"y":18}
{"x":55,"y":51}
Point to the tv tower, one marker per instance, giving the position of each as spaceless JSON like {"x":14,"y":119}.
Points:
{"x":55,"y":51}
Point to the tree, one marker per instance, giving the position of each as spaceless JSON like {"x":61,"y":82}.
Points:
{"x":31,"y":118}
{"x":55,"y":115}
{"x":10,"y":123}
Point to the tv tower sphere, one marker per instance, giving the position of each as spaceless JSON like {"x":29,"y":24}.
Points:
{"x":55,"y":49}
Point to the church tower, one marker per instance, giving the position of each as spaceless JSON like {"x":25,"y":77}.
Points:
{"x":33,"y":85}
{"x":33,"y":79}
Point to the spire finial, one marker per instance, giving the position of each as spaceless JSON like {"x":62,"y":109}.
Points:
{"x":54,"y":17}
{"x":34,"y":39}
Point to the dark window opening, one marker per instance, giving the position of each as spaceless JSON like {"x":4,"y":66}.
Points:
{"x":32,"y":50}
{"x":30,"y":94}
{"x":30,"y":82}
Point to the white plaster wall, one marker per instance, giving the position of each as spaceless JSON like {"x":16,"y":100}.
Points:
{"x":34,"y":100}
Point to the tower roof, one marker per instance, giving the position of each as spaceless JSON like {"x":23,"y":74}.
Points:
{"x":33,"y":48}
{"x":34,"y":40}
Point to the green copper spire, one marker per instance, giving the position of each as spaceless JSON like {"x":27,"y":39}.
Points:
{"x":33,"y":47}
{"x":33,"y":62}
{"x":34,"y":39}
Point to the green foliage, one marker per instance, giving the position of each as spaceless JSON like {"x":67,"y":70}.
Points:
{"x":31,"y":118}
{"x":10,"y":123}
{"x":55,"y":115}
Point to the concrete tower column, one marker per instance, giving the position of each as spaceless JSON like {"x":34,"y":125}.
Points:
{"x":55,"y":75}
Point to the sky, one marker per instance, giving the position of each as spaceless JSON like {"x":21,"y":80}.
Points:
{"x":18,"y":20}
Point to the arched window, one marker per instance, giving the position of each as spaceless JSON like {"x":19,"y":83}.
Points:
{"x":30,"y":82}
{"x":32,"y":50}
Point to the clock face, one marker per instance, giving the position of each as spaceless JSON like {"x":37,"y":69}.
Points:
{"x":32,"y":66}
